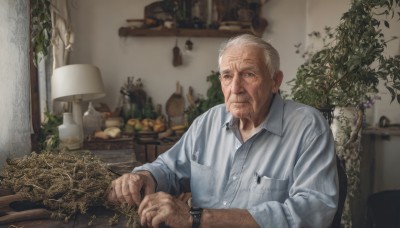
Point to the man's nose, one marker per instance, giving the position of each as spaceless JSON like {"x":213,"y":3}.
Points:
{"x":236,"y":84}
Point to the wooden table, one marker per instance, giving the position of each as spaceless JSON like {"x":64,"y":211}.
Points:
{"x":119,"y":161}
{"x":80,"y":221}
{"x":121,"y":156}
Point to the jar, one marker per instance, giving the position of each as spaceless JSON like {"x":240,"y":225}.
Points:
{"x":69,"y":133}
{"x":92,"y":121}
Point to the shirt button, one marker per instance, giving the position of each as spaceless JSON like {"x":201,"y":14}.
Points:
{"x":234,"y":177}
{"x":224,"y":203}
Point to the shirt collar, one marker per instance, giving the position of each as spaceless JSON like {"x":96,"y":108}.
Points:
{"x":273,"y":122}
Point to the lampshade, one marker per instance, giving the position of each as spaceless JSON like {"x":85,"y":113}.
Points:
{"x":77,"y":82}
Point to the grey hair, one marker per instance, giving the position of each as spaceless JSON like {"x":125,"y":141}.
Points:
{"x":272,"y":59}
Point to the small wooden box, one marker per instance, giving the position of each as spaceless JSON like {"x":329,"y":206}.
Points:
{"x":109,"y":144}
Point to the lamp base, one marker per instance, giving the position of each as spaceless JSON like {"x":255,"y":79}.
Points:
{"x":77,"y":115}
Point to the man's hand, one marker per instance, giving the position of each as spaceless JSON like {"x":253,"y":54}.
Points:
{"x":128,"y":187}
{"x":163,"y":208}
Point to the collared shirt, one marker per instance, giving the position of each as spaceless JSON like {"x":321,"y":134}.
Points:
{"x":284,"y":175}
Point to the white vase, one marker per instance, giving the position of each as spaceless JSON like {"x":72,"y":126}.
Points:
{"x":69,"y":133}
{"x":344,"y":118}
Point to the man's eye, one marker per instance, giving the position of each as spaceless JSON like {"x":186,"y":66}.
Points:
{"x":248,"y":75}
{"x":226,"y":77}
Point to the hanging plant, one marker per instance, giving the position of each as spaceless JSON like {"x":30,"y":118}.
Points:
{"x":41,"y":29}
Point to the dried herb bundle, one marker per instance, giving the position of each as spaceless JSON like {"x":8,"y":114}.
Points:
{"x":64,"y":182}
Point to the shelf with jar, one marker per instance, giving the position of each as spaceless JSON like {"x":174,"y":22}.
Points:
{"x":131,"y":31}
{"x":194,"y":18}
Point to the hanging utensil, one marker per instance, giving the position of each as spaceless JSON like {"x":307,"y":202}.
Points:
{"x":175,"y":107}
{"x":188,"y":45}
{"x":258,"y":26}
{"x":177,"y":55}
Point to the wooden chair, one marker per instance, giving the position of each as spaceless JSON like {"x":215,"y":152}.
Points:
{"x":383,"y":209}
{"x":342,"y":192}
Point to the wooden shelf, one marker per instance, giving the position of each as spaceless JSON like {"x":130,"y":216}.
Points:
{"x":382,"y":131}
{"x":128,"y":31}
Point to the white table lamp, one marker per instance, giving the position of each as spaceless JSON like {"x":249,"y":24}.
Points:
{"x":76,"y":83}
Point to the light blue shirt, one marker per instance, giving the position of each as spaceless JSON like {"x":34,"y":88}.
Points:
{"x":285,"y":175}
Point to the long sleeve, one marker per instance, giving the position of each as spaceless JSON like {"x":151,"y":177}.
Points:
{"x":312,"y":198}
{"x":285,"y":175}
{"x":171,"y":169}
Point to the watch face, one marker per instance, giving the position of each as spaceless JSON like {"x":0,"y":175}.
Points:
{"x":196,"y":215}
{"x":196,"y":210}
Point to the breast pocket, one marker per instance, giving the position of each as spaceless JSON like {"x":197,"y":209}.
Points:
{"x":201,"y":184}
{"x":265,"y":189}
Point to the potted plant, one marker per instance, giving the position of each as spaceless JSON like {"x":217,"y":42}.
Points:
{"x":214,"y":97}
{"x":346,"y":72}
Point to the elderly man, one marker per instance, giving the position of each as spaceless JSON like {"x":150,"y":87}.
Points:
{"x":255,"y":161}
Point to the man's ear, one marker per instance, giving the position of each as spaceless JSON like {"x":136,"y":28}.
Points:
{"x":278,"y":78}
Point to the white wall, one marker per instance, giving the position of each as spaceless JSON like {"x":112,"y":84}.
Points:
{"x":387,"y":170}
{"x":96,"y":24}
{"x":286,"y":28}
{"x":322,"y":13}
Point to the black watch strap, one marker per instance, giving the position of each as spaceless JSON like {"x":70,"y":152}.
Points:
{"x":196,"y":212}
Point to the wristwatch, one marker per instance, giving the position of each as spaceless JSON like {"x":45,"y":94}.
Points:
{"x":196,"y":212}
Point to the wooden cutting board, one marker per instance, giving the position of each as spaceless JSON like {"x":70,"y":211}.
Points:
{"x":175,"y":106}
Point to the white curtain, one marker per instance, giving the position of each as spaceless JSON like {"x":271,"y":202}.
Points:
{"x":14,"y":74}
{"x":62,"y":36}
{"x":62,"y":40}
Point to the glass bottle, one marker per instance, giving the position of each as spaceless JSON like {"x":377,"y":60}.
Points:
{"x":68,"y":133}
{"x":92,"y":121}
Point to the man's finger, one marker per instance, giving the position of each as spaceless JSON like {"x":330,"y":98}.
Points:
{"x":118,"y":192}
{"x":111,"y":196}
{"x":158,"y":219}
{"x":148,"y":214}
{"x":135,"y":194}
{"x":143,"y":205}
{"x":126,"y":195}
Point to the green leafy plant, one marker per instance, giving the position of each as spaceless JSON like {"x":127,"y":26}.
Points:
{"x":48,"y":134}
{"x":41,"y":28}
{"x":214,"y":97}
{"x":346,"y":72}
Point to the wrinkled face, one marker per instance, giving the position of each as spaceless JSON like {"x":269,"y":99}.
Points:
{"x":246,"y":83}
